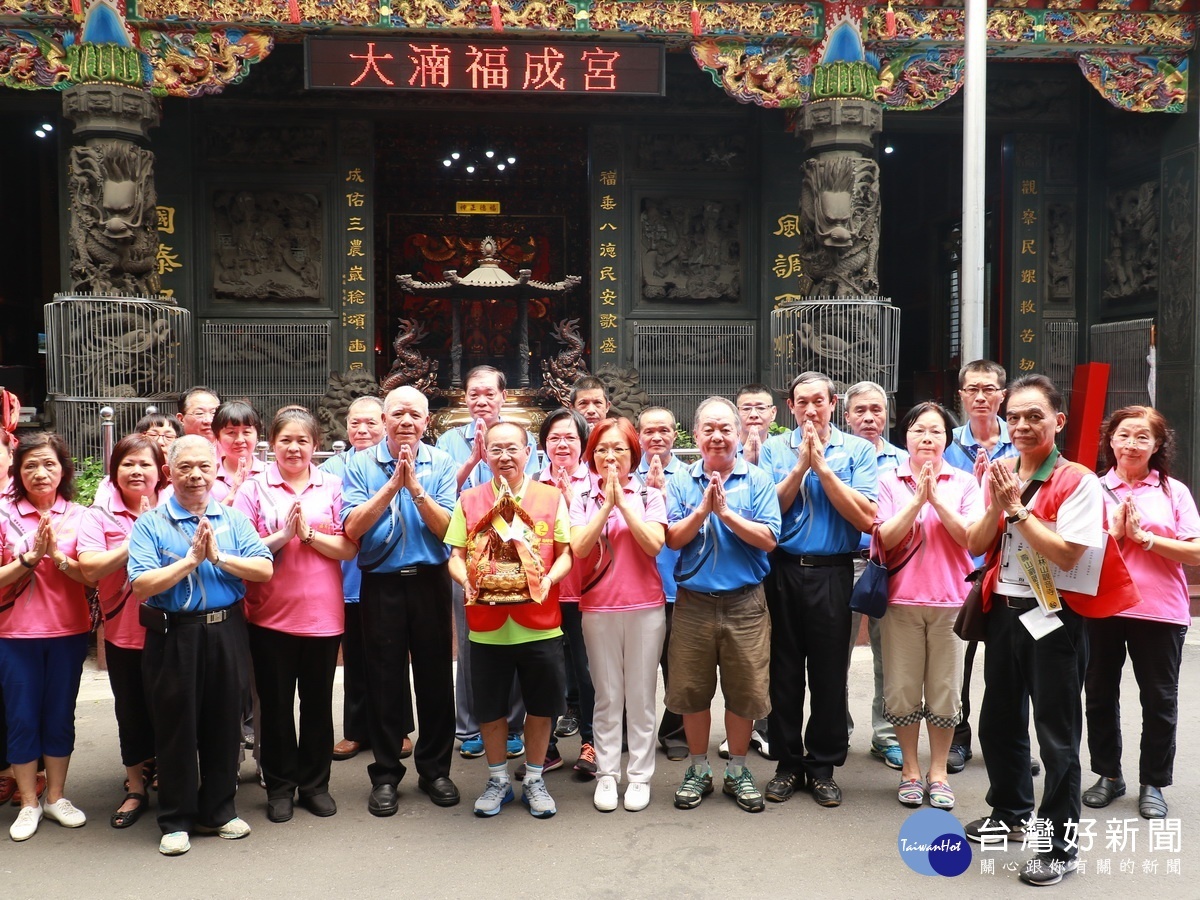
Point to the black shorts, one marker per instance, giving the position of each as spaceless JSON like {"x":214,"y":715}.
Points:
{"x":539,"y":668}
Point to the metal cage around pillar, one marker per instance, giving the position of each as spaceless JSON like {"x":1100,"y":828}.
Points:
{"x":850,"y":340}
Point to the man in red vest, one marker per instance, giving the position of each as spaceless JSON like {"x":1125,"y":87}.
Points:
{"x":510,"y":540}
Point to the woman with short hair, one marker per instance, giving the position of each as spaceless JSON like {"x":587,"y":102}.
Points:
{"x":236,"y":428}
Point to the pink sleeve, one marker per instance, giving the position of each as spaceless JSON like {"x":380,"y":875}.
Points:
{"x":971,"y":507}
{"x":91,"y":533}
{"x":579,"y":511}
{"x":656,"y":506}
{"x":885,"y":505}
{"x":335,"y":504}
{"x":246,"y":501}
{"x":1187,"y":520}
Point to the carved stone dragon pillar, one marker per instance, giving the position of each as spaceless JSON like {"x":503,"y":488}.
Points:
{"x":110,"y":174}
{"x":839,"y":199}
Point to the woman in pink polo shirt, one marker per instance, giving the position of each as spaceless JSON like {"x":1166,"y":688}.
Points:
{"x":237,"y":426}
{"x":925,"y":507}
{"x":44,"y":626}
{"x":562,"y":436}
{"x":136,"y":469}
{"x":1154,"y":518}
{"x":617,"y":530}
{"x":295,"y":620}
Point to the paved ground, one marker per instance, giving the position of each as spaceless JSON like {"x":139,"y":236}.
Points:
{"x":714,"y":851}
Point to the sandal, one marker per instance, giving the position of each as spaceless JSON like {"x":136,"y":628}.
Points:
{"x":124,"y":819}
{"x":941,"y":795}
{"x":911,"y":792}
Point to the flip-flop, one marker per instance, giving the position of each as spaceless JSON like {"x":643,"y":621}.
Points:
{"x":941,"y":795}
{"x":911,"y":792}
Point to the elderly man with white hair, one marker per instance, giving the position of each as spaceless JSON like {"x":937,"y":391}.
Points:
{"x":397,"y":499}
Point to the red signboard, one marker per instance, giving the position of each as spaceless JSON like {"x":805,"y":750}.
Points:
{"x":513,"y":66}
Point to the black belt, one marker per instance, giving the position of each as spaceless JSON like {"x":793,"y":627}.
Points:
{"x":1021,"y":603}
{"x":721,"y":595}
{"x":804,"y":559}
{"x":211,"y":617}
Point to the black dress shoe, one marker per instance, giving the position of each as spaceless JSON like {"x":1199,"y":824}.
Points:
{"x":1151,"y":803}
{"x":279,"y":809}
{"x":1104,"y":792}
{"x":441,"y":790}
{"x":826,"y":791}
{"x":319,"y":804}
{"x":383,"y":800}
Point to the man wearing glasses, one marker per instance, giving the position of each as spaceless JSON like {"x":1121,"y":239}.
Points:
{"x":983,"y":439}
{"x":756,"y":412}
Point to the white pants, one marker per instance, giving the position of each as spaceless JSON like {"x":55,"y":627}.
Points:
{"x":623,"y":650}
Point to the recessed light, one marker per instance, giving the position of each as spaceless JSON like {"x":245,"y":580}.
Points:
{"x":40,"y":133}
{"x":500,"y":166}
{"x":454,"y":155}
{"x":447,"y":163}
{"x":511,"y":160}
{"x":889,"y":149}
{"x":489,"y":153}
{"x":471,"y":170}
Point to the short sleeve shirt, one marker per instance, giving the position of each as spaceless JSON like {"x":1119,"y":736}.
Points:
{"x":162,"y":537}
{"x":304,"y":596}
{"x":666,"y":556}
{"x":964,"y":447}
{"x":618,"y":574}
{"x":47,"y":603}
{"x":1172,"y":514}
{"x":106,"y":526}
{"x":351,"y":574}
{"x":581,"y":483}
{"x":716,"y":559}
{"x":398,"y":538}
{"x":458,"y":443}
{"x":812,"y":525}
{"x":887,"y":458}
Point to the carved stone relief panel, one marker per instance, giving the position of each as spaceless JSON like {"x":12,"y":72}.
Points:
{"x":1131,"y":251}
{"x":1177,"y":297}
{"x":267,"y":245}
{"x":1060,"y":251}
{"x":710,"y":154}
{"x":690,"y":250}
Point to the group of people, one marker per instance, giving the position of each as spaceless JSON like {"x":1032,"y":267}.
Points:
{"x":227,"y":585}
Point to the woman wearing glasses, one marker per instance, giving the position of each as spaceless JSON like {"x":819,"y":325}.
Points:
{"x":617,"y":530}
{"x":1154,"y":518}
{"x":925,"y":507}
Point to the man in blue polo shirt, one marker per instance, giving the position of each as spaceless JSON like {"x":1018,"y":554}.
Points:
{"x":826,"y":483}
{"x":982,"y":439}
{"x":189,"y":560}
{"x":656,"y":434}
{"x":485,"y":395}
{"x":396,"y":502}
{"x":724,"y":519}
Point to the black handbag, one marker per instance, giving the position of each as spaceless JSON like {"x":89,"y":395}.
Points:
{"x":870,"y":594}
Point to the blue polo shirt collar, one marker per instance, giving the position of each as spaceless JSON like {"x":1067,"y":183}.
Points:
{"x":836,"y":437}
{"x":696,"y":469}
{"x":179,"y":514}
{"x":969,"y":439}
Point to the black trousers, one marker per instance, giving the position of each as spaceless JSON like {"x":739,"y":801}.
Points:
{"x":286,"y":665}
{"x":575,"y":665}
{"x":354,"y":678}
{"x":129,"y":703}
{"x":962,"y":731}
{"x":407,"y":616}
{"x":810,"y":636}
{"x":1018,"y":670}
{"x":1155,"y":649}
{"x":195,"y":678}
{"x":671,"y":725}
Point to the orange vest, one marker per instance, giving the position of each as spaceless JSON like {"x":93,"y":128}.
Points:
{"x":1116,"y":591}
{"x":541,"y":502}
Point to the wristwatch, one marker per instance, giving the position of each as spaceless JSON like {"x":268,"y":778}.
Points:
{"x":222,"y":559}
{"x":63,"y":565}
{"x":1019,"y":516}
{"x":419,"y":498}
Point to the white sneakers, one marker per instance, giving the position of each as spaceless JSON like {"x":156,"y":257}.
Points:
{"x":637,"y":796}
{"x":27,"y":822}
{"x":65,"y":814}
{"x":231,"y":830}
{"x":605,"y":798}
{"x":174,"y":844}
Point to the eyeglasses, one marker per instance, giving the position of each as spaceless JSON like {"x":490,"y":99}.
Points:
{"x":615,"y":451}
{"x":753,"y":407}
{"x":158,"y":434}
{"x":988,"y":390}
{"x":1139,"y":441}
{"x":562,"y":439}
{"x":923,"y":432}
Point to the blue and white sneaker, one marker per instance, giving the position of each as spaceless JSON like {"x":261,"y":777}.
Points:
{"x":495,"y":794}
{"x":889,"y":753}
{"x":472,"y":748}
{"x":515,"y":746}
{"x":538,"y":799}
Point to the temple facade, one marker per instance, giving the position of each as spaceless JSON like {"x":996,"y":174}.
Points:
{"x":271,"y":170}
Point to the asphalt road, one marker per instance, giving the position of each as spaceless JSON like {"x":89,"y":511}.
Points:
{"x":717,"y":850}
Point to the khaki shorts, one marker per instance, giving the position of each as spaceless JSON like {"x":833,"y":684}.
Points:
{"x":731,"y":633}
{"x":922,"y":665}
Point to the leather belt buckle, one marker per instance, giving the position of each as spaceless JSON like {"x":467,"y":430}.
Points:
{"x":408,"y":570}
{"x":219,"y":615}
